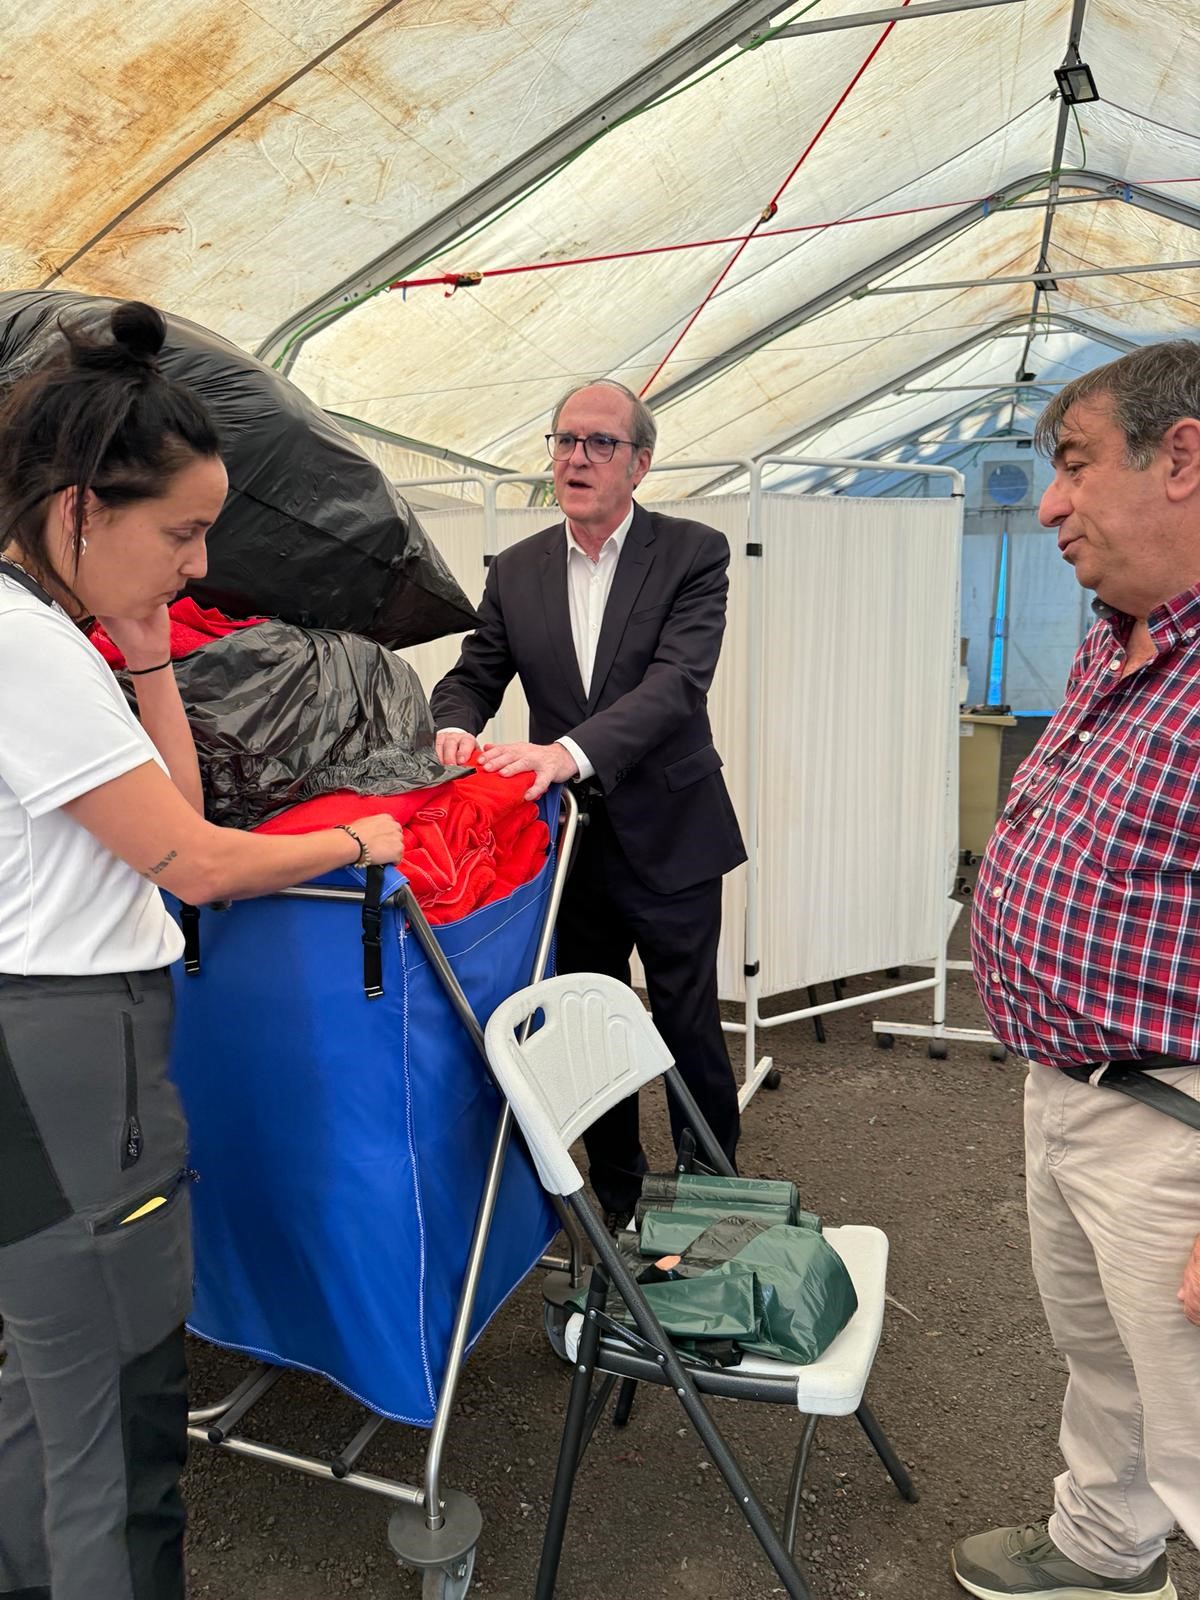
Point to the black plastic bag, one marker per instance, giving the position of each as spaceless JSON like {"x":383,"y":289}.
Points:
{"x":312,"y":531}
{"x":282,"y":714}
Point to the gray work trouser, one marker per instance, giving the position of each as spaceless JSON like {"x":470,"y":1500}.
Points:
{"x":93,"y":1402}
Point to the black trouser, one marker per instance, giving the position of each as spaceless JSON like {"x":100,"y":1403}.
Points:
{"x":606,"y":912}
{"x":93,"y":1390}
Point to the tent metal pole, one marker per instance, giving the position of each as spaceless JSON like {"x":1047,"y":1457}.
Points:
{"x":753,"y":1071}
{"x":1098,"y":183}
{"x":997,"y":330}
{"x":1074,"y":31}
{"x":868,"y":19}
{"x":1044,"y":278}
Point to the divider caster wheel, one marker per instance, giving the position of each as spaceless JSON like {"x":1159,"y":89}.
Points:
{"x":885,"y":1041}
{"x":938,"y":1049}
{"x":448,"y":1583}
{"x":998,"y":1053}
{"x":773,"y":1079}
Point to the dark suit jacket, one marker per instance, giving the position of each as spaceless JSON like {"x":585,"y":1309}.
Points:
{"x":644,"y":725}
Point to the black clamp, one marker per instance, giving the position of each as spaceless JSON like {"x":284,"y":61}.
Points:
{"x":189,"y":922}
{"x":372,"y":921}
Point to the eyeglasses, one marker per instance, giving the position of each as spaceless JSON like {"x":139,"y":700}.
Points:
{"x":596,"y":446}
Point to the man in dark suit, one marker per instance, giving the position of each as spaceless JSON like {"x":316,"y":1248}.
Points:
{"x":613,"y":623}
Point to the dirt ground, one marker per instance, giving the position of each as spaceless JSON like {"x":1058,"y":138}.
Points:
{"x":966,"y":1381}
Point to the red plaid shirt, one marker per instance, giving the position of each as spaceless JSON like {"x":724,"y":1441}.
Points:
{"x":1085,"y":933}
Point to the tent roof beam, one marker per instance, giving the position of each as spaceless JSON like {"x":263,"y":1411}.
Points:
{"x":992,"y":403}
{"x":1019,"y":324}
{"x":1097,"y":182}
{"x":665,"y":72}
{"x":873,"y":19}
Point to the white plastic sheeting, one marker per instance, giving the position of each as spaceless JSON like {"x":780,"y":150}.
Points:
{"x":859,"y":734}
{"x":856,"y":727}
{"x":263,"y":166}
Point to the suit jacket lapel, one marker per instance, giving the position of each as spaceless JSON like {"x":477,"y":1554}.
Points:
{"x":636,"y":556}
{"x":556,"y":609}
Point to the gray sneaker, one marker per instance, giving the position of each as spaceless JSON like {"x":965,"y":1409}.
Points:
{"x":1026,"y":1562}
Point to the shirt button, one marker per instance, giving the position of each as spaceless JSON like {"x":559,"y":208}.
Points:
{"x":1116,"y":663}
{"x":997,"y":892}
{"x":1037,"y":811}
{"x":1084,"y":737}
{"x":995,"y":976}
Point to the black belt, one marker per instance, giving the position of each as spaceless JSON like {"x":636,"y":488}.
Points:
{"x":1131,"y":1078}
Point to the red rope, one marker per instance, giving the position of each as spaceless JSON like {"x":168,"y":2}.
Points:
{"x":455,"y":280}
{"x":773,"y":206}
{"x":470,"y":279}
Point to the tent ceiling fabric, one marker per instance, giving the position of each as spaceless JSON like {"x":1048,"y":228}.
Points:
{"x":237,"y":164}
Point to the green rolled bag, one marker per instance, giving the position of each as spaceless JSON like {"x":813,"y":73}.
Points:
{"x":746,"y":1275}
{"x":706,"y":1191}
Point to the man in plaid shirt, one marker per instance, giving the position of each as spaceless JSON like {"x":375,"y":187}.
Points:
{"x":1086,"y":947}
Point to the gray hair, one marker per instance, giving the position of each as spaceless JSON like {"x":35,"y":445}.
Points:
{"x":643,"y":429}
{"x":1148,"y":390}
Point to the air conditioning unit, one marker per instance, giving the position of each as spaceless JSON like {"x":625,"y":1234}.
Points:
{"x":1006,"y":483}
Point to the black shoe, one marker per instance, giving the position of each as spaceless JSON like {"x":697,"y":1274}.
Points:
{"x":616,"y":1222}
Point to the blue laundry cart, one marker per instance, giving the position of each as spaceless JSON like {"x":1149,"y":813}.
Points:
{"x":345,"y":1134}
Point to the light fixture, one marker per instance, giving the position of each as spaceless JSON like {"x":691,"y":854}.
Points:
{"x":1075,"y":81}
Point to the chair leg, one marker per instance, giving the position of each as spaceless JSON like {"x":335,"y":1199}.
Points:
{"x":814,"y":999}
{"x":791,"y":1516}
{"x":694,"y":1408}
{"x":883,"y":1449}
{"x":624,"y":1405}
{"x":571,"y":1448}
{"x":595,"y":1410}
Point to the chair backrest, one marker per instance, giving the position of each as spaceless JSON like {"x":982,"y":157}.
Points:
{"x":596,"y":1045}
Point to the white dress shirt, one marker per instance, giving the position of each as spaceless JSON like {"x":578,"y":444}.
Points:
{"x":589,"y":584}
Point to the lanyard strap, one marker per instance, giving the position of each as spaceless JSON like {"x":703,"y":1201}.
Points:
{"x":19,"y":575}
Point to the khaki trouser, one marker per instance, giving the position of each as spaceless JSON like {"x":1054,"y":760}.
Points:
{"x":1114,"y":1209}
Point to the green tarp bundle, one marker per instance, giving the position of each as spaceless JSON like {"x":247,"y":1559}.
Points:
{"x":755,"y":1271}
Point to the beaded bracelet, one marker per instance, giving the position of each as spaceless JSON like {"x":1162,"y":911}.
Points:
{"x":364,"y":855}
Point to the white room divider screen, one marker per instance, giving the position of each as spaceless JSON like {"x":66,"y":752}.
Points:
{"x":835,"y":707}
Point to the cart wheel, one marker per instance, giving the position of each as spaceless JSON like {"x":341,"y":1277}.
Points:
{"x":448,"y":1583}
{"x":554,"y":1320}
{"x":773,"y":1079}
{"x":938,"y":1050}
{"x":885,"y":1041}
{"x":998,"y":1053}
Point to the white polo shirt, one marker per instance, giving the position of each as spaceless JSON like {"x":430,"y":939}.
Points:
{"x":68,"y":906}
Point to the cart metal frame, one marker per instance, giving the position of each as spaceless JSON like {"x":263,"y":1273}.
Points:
{"x":432,"y":1530}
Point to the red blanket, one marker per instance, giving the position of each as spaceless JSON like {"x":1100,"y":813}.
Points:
{"x":466,"y":843}
{"x":191,"y":627}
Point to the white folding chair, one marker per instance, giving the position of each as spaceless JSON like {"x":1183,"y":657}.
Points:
{"x":593,"y":1045}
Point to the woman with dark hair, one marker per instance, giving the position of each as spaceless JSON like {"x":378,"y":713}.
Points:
{"x":110,"y":477}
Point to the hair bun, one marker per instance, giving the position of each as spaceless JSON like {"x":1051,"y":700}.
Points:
{"x":139,"y":329}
